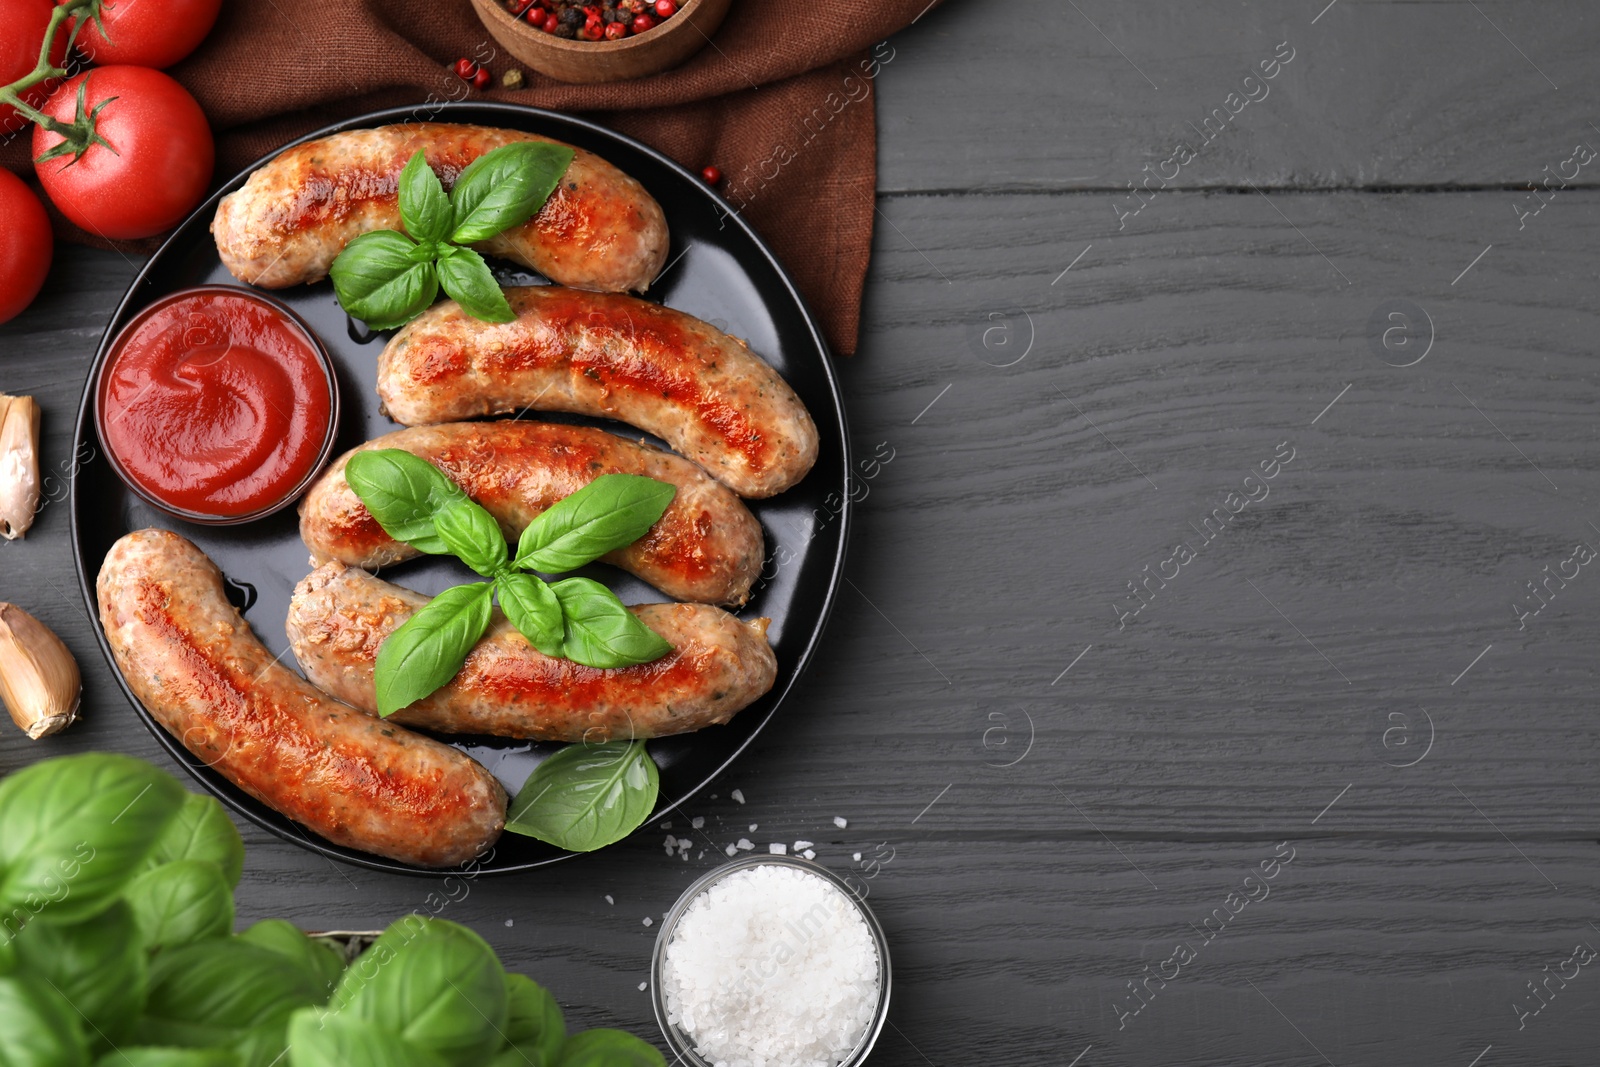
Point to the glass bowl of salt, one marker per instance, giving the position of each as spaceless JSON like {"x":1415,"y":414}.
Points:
{"x":770,"y":960}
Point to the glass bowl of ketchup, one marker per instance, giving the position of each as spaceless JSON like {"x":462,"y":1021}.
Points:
{"x":217,"y":405}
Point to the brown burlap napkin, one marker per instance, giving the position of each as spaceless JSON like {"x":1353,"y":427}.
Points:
{"x":780,"y":101}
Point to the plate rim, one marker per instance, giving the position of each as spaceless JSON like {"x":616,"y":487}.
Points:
{"x":438,"y":112}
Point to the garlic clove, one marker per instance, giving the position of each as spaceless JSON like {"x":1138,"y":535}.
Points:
{"x":19,"y":464}
{"x":39,"y":679}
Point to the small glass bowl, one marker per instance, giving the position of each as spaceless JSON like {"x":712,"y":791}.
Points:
{"x":319,"y":350}
{"x":683,"y":1045}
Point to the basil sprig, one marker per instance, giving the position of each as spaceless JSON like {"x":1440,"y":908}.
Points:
{"x":386,"y":278}
{"x":577,"y":619}
{"x":587,"y":796}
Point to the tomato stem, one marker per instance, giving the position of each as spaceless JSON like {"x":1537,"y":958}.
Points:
{"x":44,"y":70}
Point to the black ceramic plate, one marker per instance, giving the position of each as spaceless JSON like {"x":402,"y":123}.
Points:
{"x":717,"y":269}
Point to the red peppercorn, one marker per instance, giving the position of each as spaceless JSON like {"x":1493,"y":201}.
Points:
{"x":551,"y":22}
{"x":641,"y":23}
{"x":711,"y":175}
{"x":481,"y":79}
{"x":465,"y":69}
{"x":535,"y":17}
{"x":666,"y":8}
{"x":616,"y":31}
{"x":519,"y":6}
{"x":591,"y":32}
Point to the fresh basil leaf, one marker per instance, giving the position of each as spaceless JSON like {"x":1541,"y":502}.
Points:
{"x":534,"y":610}
{"x":610,"y":512}
{"x":201,"y":831}
{"x":180,"y":903}
{"x":472,"y":535}
{"x":37,"y":1025}
{"x":465,"y":277}
{"x":506,"y":188}
{"x":521,"y":1054}
{"x":428,"y":649}
{"x":587,"y":796}
{"x":168,"y":1057}
{"x":424,"y":208}
{"x":319,"y":1040}
{"x":533,"y":1018}
{"x":262,"y":1046}
{"x":600,"y":631}
{"x":608,"y":1048}
{"x":75,"y":830}
{"x":379,"y":283}
{"x":315,"y":958}
{"x":435,"y":984}
{"x":403,"y":492}
{"x":221,"y":992}
{"x":98,"y":965}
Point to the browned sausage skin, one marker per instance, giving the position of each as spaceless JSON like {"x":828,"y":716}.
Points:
{"x":360,"y":782}
{"x":701,"y":391}
{"x":719,"y":665}
{"x":599,"y":229}
{"x":707,"y":547}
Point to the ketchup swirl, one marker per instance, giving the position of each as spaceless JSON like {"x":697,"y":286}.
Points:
{"x":217,"y":403}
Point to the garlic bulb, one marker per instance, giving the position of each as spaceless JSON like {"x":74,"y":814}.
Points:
{"x":19,"y":464}
{"x":39,"y":679}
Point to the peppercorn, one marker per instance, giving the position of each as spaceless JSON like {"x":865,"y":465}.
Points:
{"x":512,"y":79}
{"x":465,"y":69}
{"x":592,"y":20}
{"x":481,"y":79}
{"x":711,"y":175}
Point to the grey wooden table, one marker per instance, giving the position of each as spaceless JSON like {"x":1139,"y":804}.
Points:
{"x":1215,"y":678}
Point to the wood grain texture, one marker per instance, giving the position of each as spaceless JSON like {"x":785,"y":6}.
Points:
{"x":1044,"y":801}
{"x":1040,"y":95}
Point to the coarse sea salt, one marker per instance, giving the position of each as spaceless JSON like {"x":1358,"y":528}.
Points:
{"x":771,"y":966}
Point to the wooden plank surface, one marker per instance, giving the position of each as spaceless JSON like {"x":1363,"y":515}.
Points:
{"x":1043,"y":95}
{"x":1047,"y":795}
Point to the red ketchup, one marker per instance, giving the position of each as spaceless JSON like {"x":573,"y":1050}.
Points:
{"x":217,"y":404}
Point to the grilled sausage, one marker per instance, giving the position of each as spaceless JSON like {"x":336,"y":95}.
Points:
{"x":706,"y":547}
{"x":719,"y":665}
{"x":193,"y":662}
{"x":598,"y":230}
{"x":690,"y":384}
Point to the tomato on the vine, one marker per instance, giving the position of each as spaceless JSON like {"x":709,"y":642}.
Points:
{"x":25,"y":245}
{"x":149,"y":164}
{"x":147,"y":33}
{"x":22,"y":26}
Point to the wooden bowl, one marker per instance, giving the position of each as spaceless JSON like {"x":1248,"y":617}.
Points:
{"x":668,"y":44}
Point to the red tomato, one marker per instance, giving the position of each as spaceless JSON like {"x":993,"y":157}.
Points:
{"x":161,"y":164}
{"x":148,"y":33}
{"x":25,"y":245}
{"x":22,"y":26}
